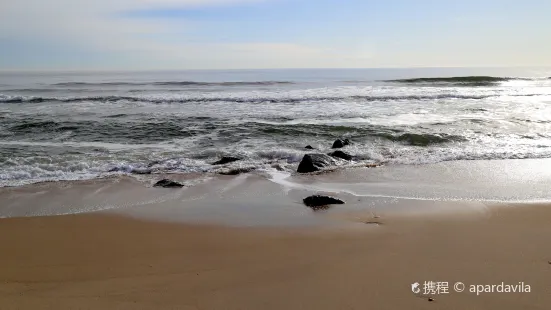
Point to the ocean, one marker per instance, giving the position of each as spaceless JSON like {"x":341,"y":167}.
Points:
{"x":87,"y":125}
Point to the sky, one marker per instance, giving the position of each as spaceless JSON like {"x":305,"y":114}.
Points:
{"x":248,"y":34}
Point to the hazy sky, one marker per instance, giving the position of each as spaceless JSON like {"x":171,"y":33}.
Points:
{"x":210,"y":34}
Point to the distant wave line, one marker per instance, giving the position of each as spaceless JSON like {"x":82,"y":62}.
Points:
{"x":174,"y":83}
{"x":466,"y":80}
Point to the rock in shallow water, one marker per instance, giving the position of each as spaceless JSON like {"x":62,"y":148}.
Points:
{"x":309,"y":147}
{"x":226,"y":160}
{"x":314,"y":162}
{"x":166,"y":183}
{"x":341,"y":155}
{"x":339,"y":143}
{"x":320,"y":202}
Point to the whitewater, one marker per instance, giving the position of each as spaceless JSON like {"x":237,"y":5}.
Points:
{"x":86,"y":125}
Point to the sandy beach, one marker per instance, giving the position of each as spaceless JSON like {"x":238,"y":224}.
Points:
{"x":99,"y":261}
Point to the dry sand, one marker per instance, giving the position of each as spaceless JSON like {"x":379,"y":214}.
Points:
{"x":96,"y":261}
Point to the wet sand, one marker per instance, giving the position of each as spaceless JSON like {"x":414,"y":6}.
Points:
{"x":99,"y":261}
{"x":274,"y":198}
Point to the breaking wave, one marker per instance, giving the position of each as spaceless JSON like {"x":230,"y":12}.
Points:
{"x":154,"y":131}
{"x":154,"y":99}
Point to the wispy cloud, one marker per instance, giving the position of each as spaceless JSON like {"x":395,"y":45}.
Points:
{"x":101,"y":27}
{"x":97,"y":26}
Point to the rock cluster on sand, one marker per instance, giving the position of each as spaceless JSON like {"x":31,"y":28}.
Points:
{"x":166,"y":183}
{"x":314,"y":162}
{"x":226,"y":160}
{"x":320,"y":202}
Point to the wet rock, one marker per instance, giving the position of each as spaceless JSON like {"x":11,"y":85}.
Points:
{"x":314,"y":162}
{"x":166,"y":183}
{"x":339,"y":143}
{"x":309,"y":147}
{"x":226,"y":160}
{"x":318,"y":202}
{"x":341,"y":155}
{"x":237,"y":171}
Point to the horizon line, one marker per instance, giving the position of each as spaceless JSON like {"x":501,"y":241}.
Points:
{"x":266,"y":69}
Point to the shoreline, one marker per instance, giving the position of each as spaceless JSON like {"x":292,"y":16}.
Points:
{"x":275,"y":198}
{"x":105,"y":261}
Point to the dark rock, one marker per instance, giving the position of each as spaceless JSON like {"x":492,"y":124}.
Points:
{"x":226,"y":160}
{"x":166,"y":183}
{"x":318,"y":202}
{"x":309,"y":147}
{"x":314,"y":162}
{"x":341,"y":155}
{"x":237,"y":171}
{"x":339,"y":143}
{"x":431,"y":299}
